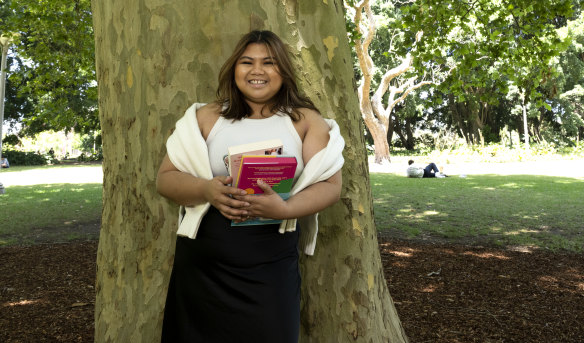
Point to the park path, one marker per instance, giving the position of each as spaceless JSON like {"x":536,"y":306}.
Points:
{"x":40,"y":176}
{"x":564,"y":168}
{"x":94,"y":173}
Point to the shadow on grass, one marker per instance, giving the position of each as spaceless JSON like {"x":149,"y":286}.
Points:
{"x":524,"y":210}
{"x":49,"y":212}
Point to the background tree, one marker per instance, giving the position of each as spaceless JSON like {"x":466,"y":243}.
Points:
{"x":569,"y":86}
{"x":154,"y":59}
{"x":53,"y":79}
{"x":493,"y":43}
{"x":395,"y":82}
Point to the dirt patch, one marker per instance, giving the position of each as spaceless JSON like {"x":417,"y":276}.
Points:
{"x":443,"y":292}
{"x":47,"y":292}
{"x":456,"y":293}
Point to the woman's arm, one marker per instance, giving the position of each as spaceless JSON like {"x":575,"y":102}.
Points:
{"x":188,"y":190}
{"x":310,"y":200}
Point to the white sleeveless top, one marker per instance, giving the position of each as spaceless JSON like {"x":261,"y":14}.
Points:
{"x":228,"y":132}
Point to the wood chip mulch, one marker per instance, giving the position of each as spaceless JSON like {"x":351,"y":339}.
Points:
{"x":443,"y":293}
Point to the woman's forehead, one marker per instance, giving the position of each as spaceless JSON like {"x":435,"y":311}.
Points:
{"x":257,"y":50}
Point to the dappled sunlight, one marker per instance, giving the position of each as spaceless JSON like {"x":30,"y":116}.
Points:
{"x":400,"y":253}
{"x":485,"y":188}
{"x":569,"y":280}
{"x":23,"y":303}
{"x":419,"y":214}
{"x":431,"y":288}
{"x":509,"y":210}
{"x":428,"y":215}
{"x":519,"y":232}
{"x":496,"y":229}
{"x":548,"y":279}
{"x":528,"y":249}
{"x":49,"y":205}
{"x":569,"y":181}
{"x":487,"y":255}
{"x":511,"y":185}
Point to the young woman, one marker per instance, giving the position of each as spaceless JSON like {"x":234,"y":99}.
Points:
{"x":242,"y":284}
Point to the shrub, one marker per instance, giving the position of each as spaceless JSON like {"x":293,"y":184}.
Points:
{"x":24,"y":158}
{"x":87,"y":157}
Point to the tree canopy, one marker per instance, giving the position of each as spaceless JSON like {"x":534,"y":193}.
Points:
{"x":51,"y":84}
{"x":499,"y":47}
{"x":512,"y":58}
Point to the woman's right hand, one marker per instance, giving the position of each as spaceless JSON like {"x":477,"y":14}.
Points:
{"x":187,"y":190}
{"x":218,"y":193}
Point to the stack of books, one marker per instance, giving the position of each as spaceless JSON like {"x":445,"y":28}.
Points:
{"x":264,"y":161}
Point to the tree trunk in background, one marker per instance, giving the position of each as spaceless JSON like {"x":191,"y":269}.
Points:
{"x":380,"y":142}
{"x":154,"y":58}
{"x":524,"y":112}
{"x":390,"y":130}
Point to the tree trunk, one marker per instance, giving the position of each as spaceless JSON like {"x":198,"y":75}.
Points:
{"x":525,"y":128}
{"x":411,"y":144}
{"x":154,"y":59}
{"x":390,"y":126}
{"x":380,"y":143}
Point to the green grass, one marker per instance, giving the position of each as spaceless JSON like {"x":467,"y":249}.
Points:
{"x":25,"y":209}
{"x":539,"y":211}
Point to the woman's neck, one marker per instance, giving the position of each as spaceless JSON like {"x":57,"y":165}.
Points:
{"x":259,"y":111}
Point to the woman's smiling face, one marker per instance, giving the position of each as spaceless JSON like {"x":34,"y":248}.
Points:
{"x":257,"y":75}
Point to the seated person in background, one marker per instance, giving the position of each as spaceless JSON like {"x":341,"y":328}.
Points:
{"x":431,"y":170}
{"x":4,"y":163}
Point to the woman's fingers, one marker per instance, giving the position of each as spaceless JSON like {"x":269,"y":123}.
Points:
{"x":265,"y":187}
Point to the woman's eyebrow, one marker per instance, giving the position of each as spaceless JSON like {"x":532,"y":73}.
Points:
{"x":251,"y":58}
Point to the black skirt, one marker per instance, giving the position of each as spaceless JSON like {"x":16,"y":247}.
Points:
{"x":234,"y":284}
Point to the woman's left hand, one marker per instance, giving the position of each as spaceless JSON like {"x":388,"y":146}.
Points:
{"x":266,"y":205}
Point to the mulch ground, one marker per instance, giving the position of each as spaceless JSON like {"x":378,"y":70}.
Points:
{"x":443,"y":293}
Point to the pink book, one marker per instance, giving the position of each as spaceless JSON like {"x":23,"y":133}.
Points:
{"x":276,"y":171}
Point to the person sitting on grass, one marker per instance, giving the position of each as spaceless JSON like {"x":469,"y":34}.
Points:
{"x":431,"y":170}
{"x":4,"y":163}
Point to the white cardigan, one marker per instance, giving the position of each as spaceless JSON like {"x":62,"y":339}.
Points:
{"x":187,"y":150}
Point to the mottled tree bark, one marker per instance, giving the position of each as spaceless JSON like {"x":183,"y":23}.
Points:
{"x":154,"y":58}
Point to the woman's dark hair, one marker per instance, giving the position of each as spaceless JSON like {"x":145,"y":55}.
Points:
{"x":410,"y":162}
{"x":287,"y":100}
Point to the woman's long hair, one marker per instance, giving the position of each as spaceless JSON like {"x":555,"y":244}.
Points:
{"x":288,"y":99}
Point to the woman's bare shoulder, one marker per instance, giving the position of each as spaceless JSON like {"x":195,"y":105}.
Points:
{"x":310,"y":120}
{"x":207,"y":117}
{"x":314,"y":119}
{"x":209,"y":110}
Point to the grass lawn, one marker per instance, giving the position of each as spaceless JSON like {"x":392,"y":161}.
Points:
{"x":526,"y":210}
{"x":42,"y":197}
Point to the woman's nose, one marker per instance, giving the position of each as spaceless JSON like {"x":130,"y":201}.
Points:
{"x":257,"y":68}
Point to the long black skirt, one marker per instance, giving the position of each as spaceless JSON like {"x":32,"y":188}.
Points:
{"x":234,"y":284}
